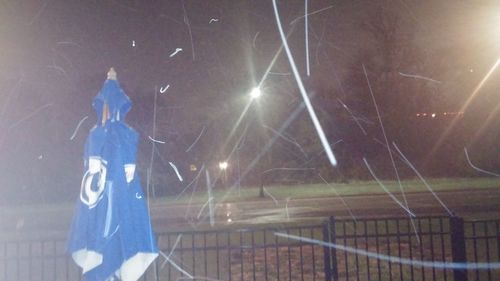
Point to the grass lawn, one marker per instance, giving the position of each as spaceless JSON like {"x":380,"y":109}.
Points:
{"x":233,"y":194}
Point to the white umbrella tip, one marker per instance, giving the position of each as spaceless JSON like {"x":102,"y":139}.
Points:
{"x":112,"y":74}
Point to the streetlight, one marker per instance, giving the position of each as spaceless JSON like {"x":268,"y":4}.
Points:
{"x":223,"y":168}
{"x":223,"y":165}
{"x":255,"y":93}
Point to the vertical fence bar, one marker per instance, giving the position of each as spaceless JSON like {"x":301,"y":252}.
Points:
{"x":421,"y":248}
{"x":205,"y":253}
{"x":356,"y":247}
{"x":277,"y":258}
{"x":313,"y":254}
{"x":265,"y":253}
{"x":378,"y":250}
{"x":388,"y":240}
{"x":217,"y":253}
{"x":431,"y":233}
{"x":398,"y":238}
{"x":301,"y":257}
{"x":443,"y":250}
{"x":241,"y":255}
{"x":410,"y":246}
{"x":474,"y":238}
{"x":253,"y":253}
{"x":365,"y":225}
{"x":229,"y":254}
{"x":346,"y":260}
{"x":326,"y":253}
{"x":486,"y":233}
{"x":193,"y":253}
{"x":458,"y":247}
{"x":333,"y":251}
{"x":289,"y":256}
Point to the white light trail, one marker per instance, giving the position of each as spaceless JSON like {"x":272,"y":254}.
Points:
{"x":154,"y":140}
{"x":476,"y":168}
{"x":175,"y":52}
{"x":164,"y":89}
{"x":394,"y":259}
{"x":387,"y":191}
{"x":307,"y":102}
{"x":176,"y":171}
{"x":419,"y":77}
{"x":422,"y":179}
{"x":78,"y":127}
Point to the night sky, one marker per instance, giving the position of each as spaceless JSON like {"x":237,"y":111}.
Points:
{"x":420,"y":58}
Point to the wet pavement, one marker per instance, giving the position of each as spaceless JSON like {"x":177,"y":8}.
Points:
{"x":468,"y":203}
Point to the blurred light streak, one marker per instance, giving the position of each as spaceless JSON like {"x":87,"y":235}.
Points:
{"x":195,"y":179}
{"x":176,"y":171}
{"x":311,"y":13}
{"x":155,"y":140}
{"x":423,"y":180}
{"x":486,"y":123}
{"x":270,"y":195}
{"x":353,"y":117}
{"x":419,"y":77}
{"x":255,"y":39}
{"x":288,"y":139}
{"x":177,"y":50}
{"x":210,"y":198}
{"x":187,"y":22}
{"x":448,"y":129}
{"x":9,"y":95}
{"x":29,"y":115}
{"x":196,"y":140}
{"x":167,"y":258}
{"x":476,"y":168}
{"x":387,"y":144}
{"x":394,"y":259}
{"x":387,"y":191}
{"x":164,"y":89}
{"x":78,"y":127}
{"x":308,"y":68}
{"x":340,"y":197}
{"x":310,"y":109}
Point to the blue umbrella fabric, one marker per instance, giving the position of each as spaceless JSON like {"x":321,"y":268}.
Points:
{"x":111,"y":236}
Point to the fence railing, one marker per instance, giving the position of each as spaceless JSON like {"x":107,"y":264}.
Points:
{"x":339,"y":249}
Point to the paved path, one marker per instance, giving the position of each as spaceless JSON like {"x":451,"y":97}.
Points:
{"x":468,"y":203}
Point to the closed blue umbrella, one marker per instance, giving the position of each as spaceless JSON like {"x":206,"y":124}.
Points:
{"x":111,"y":236}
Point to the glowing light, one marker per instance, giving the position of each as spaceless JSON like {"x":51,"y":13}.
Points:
{"x":255,"y":93}
{"x":433,"y":115}
{"x":223,"y":165}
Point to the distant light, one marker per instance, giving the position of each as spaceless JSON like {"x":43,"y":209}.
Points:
{"x":418,"y":114}
{"x":193,"y":167}
{"x":255,"y":93}
{"x":424,"y":114}
{"x":223,"y":165}
{"x":133,"y":43}
{"x":433,"y":115}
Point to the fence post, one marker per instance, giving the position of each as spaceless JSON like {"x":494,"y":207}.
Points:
{"x":326,"y":252}
{"x":458,"y":247}
{"x":333,"y":251}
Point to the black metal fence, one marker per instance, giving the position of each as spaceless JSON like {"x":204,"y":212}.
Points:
{"x":339,"y":249}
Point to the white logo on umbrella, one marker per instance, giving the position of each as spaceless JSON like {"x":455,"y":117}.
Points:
{"x":90,"y":195}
